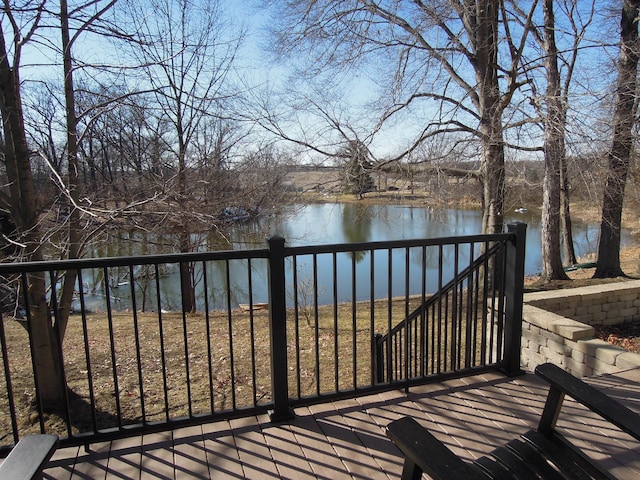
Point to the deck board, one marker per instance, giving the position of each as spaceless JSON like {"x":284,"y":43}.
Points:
{"x":156,"y":461}
{"x":125,"y":457}
{"x":287,"y":454}
{"x":221,"y":451}
{"x":64,"y":463}
{"x":190,"y":457}
{"x":253,"y":451}
{"x":318,"y":452}
{"x":93,"y":464}
{"x":346,"y":440}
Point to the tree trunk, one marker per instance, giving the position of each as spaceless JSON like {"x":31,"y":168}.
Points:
{"x":46,"y":348}
{"x":621,"y":146}
{"x":565,"y":216}
{"x":491,"y":128}
{"x":187,"y":282}
{"x":74,"y":240}
{"x":493,"y":186}
{"x":554,"y":148}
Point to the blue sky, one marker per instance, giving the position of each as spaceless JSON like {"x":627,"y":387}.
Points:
{"x":355,"y":89}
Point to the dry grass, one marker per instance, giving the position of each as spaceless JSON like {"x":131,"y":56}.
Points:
{"x":208,"y":363}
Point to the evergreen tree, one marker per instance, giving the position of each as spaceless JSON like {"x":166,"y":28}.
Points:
{"x":357,"y":178}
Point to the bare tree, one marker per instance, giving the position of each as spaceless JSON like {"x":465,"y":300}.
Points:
{"x":554,"y":152}
{"x":552,"y":107}
{"x":73,"y":23}
{"x":90,"y":15}
{"x":578,"y":31}
{"x":621,"y":149}
{"x":461,"y":59}
{"x":21,"y":200}
{"x":188,"y":52}
{"x":357,"y":168}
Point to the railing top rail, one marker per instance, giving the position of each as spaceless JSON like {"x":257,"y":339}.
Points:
{"x":381,"y":245}
{"x":84,"y":263}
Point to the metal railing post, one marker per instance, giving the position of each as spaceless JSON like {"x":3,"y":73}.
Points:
{"x":378,"y":359}
{"x":278,"y":331}
{"x":514,"y":290}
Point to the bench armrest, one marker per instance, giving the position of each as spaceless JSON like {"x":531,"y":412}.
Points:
{"x":29,"y":457}
{"x":418,"y":444}
{"x":562,"y":382}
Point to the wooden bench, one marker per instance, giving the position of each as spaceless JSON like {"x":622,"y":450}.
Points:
{"x":540,"y":453}
{"x":29,"y":457}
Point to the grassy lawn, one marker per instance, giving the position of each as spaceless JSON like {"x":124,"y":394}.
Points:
{"x":209,"y":362}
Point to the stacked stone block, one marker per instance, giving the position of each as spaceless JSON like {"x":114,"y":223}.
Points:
{"x":558,"y":327}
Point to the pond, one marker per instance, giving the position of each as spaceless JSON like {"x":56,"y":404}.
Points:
{"x":328,"y":223}
{"x":351,"y":222}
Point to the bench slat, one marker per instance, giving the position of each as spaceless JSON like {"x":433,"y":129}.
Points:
{"x":559,"y":451}
{"x":514,"y":464}
{"x":493,"y":469}
{"x":534,"y":459}
{"x":28,"y":457}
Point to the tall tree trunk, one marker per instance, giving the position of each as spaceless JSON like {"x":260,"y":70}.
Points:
{"x":46,"y":348}
{"x":621,"y":146}
{"x":554,"y":148}
{"x":187,"y":281}
{"x":491,"y":128}
{"x":492,"y":175}
{"x":565,"y":215}
{"x":74,"y":240}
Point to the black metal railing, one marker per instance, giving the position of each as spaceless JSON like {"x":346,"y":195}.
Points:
{"x":261,"y":330}
{"x":459,"y":327}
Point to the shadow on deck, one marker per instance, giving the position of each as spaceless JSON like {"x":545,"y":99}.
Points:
{"x":346,"y":439}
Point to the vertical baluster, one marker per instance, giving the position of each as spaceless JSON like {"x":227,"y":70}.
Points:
{"x":377,"y":349}
{"x":296,"y":307}
{"x":409,"y":340}
{"x":252,"y":334}
{"x":207,"y":319}
{"x":453,"y":320}
{"x":87,"y":354}
{"x":232,"y":367}
{"x":440,"y":344}
{"x":488,"y":314}
{"x":185,"y":340}
{"x":391,"y":367}
{"x":336,"y":361}
{"x":163,"y":352}
{"x":136,"y":334}
{"x":316,"y":325}
{"x":423,"y":313}
{"x":354,"y":323}
{"x":112,"y":347}
{"x":55,"y":311}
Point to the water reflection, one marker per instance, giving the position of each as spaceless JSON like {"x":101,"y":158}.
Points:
{"x":356,"y":226}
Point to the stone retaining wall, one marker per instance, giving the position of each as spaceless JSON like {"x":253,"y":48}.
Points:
{"x":557,"y":327}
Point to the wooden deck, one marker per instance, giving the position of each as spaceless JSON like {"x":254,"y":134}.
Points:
{"x":346,"y":439}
